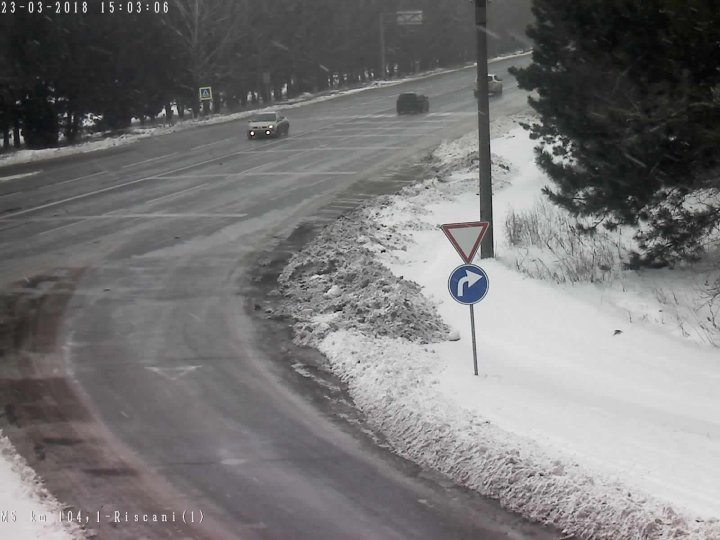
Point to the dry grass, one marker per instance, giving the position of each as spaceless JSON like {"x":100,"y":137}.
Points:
{"x":549,"y":245}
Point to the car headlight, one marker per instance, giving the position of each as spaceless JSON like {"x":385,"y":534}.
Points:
{"x":252,"y":133}
{"x":270,"y":126}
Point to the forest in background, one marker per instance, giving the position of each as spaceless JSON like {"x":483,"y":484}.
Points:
{"x":57,"y":71}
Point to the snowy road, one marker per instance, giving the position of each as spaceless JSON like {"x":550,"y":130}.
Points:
{"x":135,"y":376}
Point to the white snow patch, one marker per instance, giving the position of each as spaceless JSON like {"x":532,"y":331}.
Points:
{"x":29,"y":511}
{"x":603,"y":424}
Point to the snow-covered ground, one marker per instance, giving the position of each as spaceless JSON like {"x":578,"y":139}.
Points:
{"x":597,"y":406}
{"x":27,"y":511}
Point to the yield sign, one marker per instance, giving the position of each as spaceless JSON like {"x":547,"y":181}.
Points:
{"x":466,"y":237}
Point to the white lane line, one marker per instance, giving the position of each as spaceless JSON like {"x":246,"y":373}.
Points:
{"x":208,"y":144}
{"x":398,"y":127}
{"x":357,"y":136}
{"x":172,"y":373}
{"x":451,"y":114}
{"x":76,"y":197}
{"x":149,"y":160}
{"x":78,"y":220}
{"x":16,"y":176}
{"x":45,"y":186}
{"x":56,"y":229}
{"x":296,"y":173}
{"x":113,"y":187}
{"x":156,"y":215}
{"x":191,"y":166}
{"x":76,"y":179}
{"x":323,"y":149}
{"x":177,"y":193}
{"x":265,"y":173}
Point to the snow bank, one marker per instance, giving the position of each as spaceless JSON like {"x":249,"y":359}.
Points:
{"x":605,"y":427}
{"x":27,"y":511}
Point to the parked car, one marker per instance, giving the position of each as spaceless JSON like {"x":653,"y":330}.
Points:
{"x":410,"y":102}
{"x":268,"y":124}
{"x":495,"y":85}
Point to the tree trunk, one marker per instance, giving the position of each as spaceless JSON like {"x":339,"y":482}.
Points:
{"x":16,"y":131}
{"x":68,"y":126}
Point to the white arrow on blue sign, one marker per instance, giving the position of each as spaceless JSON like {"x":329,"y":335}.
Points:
{"x":468,"y":284}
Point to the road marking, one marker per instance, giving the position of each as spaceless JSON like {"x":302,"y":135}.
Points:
{"x":208,"y":144}
{"x":325,"y":149}
{"x":457,"y":113}
{"x":56,"y":229}
{"x":175,"y":194}
{"x":149,"y":160}
{"x":114,"y":187}
{"x":78,"y":220}
{"x":234,"y":462}
{"x":45,"y":186}
{"x":173,"y":373}
{"x":76,"y":179}
{"x":155,"y":215}
{"x":16,"y":176}
{"x":264,"y":173}
{"x":356,"y":136}
{"x":396,"y":127}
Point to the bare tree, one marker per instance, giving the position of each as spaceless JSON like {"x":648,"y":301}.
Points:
{"x":209,"y":33}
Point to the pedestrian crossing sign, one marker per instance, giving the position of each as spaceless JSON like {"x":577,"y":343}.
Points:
{"x":205,"y":93}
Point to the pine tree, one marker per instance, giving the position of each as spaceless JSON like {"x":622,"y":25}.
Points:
{"x":629,"y":131}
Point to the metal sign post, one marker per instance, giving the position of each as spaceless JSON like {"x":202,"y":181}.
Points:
{"x":474,"y":344}
{"x":468,"y":284}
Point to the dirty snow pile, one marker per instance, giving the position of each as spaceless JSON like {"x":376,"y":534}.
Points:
{"x":588,"y":414}
{"x":324,"y":282}
{"x":27,"y":511}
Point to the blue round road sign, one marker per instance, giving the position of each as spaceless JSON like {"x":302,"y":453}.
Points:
{"x":468,"y":284}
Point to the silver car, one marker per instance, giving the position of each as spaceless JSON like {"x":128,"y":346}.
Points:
{"x":268,"y":124}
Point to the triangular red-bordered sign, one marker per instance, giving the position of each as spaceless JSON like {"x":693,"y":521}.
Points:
{"x":466,"y":237}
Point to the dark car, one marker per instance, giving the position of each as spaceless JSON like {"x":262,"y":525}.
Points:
{"x":268,"y":124}
{"x":412,"y":103}
{"x":495,"y":85}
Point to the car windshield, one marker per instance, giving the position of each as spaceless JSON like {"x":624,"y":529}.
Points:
{"x":266,"y":117}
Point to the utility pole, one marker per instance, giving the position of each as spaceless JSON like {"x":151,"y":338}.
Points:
{"x":487,"y":249}
{"x":382,"y":45}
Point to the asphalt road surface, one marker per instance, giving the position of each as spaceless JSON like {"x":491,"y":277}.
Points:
{"x":135,"y":378}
